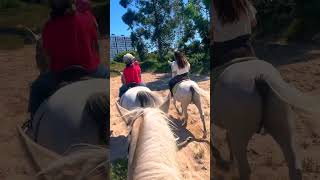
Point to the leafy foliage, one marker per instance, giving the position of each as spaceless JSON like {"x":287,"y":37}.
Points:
{"x":295,"y":19}
{"x":119,"y":169}
{"x":119,"y":56}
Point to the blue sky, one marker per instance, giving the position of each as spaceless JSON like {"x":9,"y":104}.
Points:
{"x":117,"y":26}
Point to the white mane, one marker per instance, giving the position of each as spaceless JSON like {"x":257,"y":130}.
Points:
{"x":155,"y":153}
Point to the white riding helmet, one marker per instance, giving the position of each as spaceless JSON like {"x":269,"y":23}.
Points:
{"x":128,"y":58}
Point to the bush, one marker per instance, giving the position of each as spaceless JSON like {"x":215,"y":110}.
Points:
{"x":5,"y":4}
{"x":118,"y":57}
{"x":119,"y":169}
{"x":116,"y":68}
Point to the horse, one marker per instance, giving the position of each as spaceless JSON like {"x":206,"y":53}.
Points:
{"x":187,"y":92}
{"x":152,"y":145}
{"x":75,"y":113}
{"x":140,"y":96}
{"x":250,"y":95}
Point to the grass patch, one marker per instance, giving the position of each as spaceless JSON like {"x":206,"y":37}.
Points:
{"x":116,"y":68}
{"x":119,"y":169}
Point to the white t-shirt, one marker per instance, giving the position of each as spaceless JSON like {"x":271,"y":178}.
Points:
{"x":233,"y":30}
{"x":175,"y":68}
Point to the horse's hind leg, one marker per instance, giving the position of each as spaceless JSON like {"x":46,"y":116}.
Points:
{"x":238,"y":146}
{"x":197,"y":102}
{"x":185,"y":113}
{"x":280,"y":125}
{"x":175,"y":105}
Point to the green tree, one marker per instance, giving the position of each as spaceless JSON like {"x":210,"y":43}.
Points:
{"x":152,"y":24}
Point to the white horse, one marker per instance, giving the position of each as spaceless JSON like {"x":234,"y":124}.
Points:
{"x":153,"y":148}
{"x":187,"y":92}
{"x":140,"y":96}
{"x":251,"y":95}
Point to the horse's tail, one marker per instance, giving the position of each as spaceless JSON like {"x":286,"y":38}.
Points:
{"x":310,"y":105}
{"x":147,"y":99}
{"x":196,"y":89}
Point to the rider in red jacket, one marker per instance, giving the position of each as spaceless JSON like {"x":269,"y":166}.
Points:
{"x":70,"y":38}
{"x":131,"y":75}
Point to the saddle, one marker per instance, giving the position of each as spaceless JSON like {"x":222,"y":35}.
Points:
{"x":71,"y":75}
{"x":132,"y":85}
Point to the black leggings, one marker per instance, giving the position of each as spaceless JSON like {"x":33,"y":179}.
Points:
{"x":175,"y":80}
{"x":223,"y":52}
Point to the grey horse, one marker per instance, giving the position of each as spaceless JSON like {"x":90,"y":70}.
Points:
{"x":251,"y":95}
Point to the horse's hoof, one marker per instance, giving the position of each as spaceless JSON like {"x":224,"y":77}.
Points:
{"x":189,"y":139}
{"x":204,"y":136}
{"x":184,"y":124}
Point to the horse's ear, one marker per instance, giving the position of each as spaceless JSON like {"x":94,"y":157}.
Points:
{"x":123,"y":112}
{"x":166,"y":104}
{"x":36,"y":37}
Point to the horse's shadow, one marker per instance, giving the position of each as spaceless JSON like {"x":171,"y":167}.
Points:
{"x":183,"y":134}
{"x":118,"y":147}
{"x":161,"y":82}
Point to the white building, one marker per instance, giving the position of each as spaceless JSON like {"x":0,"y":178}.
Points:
{"x":119,"y":44}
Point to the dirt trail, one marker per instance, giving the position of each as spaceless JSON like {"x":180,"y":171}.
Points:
{"x":16,"y":72}
{"x":195,"y":157}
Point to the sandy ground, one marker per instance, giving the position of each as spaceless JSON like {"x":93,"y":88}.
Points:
{"x":17,"y":70}
{"x":193,"y":158}
{"x":301,"y":68}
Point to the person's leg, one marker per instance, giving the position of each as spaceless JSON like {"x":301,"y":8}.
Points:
{"x":122,"y":90}
{"x":40,"y":90}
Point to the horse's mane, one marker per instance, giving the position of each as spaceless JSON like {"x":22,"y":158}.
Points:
{"x":82,"y":161}
{"x":155,"y":155}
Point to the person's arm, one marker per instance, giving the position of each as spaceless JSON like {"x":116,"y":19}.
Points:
{"x":123,"y":79}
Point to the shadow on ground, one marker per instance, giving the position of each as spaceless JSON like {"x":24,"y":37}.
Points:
{"x":283,"y":54}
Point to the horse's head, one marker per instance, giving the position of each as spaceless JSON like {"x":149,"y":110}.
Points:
{"x":41,"y":59}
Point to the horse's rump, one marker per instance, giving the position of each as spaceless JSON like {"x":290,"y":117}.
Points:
{"x":71,"y":115}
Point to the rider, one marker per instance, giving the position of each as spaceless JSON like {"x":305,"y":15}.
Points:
{"x":70,"y":39}
{"x":180,"y":70}
{"x":233,"y":21}
{"x":131,"y":75}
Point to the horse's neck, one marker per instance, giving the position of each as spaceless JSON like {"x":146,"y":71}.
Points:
{"x":155,"y":153}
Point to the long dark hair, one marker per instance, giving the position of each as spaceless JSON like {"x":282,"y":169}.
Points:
{"x":61,"y":7}
{"x":229,"y":11}
{"x":180,"y":59}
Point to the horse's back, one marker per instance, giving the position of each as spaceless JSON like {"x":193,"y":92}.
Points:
{"x":62,"y":120}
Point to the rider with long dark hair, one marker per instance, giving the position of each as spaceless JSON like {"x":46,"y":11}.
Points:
{"x":233,"y":21}
{"x":180,"y":70}
{"x":70,"y":39}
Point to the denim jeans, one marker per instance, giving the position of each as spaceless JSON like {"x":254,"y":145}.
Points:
{"x":124,"y":88}
{"x":46,"y":83}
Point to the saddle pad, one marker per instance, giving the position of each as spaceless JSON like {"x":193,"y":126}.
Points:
{"x":219,"y":70}
{"x":174,"y":89}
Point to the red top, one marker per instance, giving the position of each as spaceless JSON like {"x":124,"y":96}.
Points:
{"x":71,"y":40}
{"x":132,"y":74}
